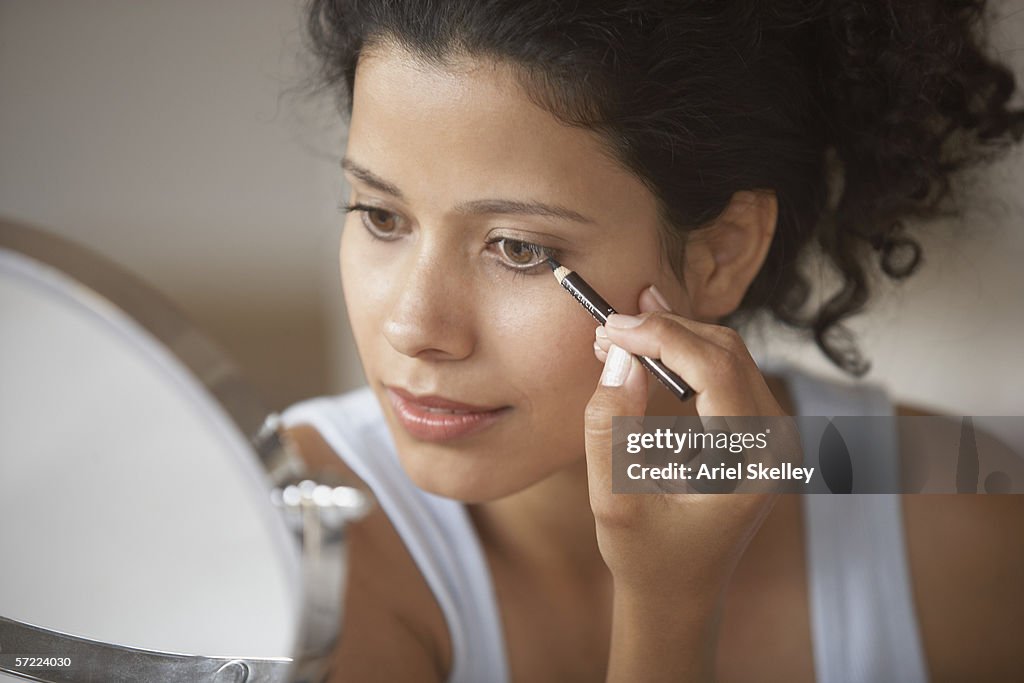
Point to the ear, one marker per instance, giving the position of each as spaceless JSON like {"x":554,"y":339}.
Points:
{"x":722,"y":259}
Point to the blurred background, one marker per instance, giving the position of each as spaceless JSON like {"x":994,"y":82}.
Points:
{"x":169,"y":137}
{"x":172,"y":138}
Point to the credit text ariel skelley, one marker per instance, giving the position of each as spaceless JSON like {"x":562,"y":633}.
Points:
{"x":725,"y":444}
{"x":754,"y":471}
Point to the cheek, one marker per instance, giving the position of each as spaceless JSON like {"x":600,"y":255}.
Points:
{"x":362,"y":288}
{"x":545,"y":356}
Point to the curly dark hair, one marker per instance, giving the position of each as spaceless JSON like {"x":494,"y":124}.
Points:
{"x":856,"y":113}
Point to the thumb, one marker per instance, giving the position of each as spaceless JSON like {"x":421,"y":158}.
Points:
{"x":621,"y":392}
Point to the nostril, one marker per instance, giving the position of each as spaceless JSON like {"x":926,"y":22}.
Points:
{"x":429,"y":315}
{"x":429,"y":338}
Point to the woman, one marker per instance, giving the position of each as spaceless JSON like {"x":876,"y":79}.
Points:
{"x":686,"y":158}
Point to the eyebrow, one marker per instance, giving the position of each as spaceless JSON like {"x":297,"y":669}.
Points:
{"x":477,"y":206}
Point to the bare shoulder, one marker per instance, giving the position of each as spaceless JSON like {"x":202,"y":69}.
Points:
{"x":392,"y":628}
{"x":967,"y":564}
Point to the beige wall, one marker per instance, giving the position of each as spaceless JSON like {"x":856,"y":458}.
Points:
{"x":158,"y":134}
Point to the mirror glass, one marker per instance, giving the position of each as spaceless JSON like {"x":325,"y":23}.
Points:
{"x":133,"y":510}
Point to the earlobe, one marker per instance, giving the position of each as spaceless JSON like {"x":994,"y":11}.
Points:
{"x":725,"y":257}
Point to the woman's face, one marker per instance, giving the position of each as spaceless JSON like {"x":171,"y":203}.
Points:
{"x":460,"y":168}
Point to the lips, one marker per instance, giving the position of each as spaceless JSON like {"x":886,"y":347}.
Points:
{"x":436,"y":419}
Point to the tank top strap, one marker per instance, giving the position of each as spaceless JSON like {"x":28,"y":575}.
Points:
{"x":436,"y":531}
{"x":863,"y":622}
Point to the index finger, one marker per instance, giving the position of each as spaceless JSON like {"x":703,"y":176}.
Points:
{"x":711,"y":358}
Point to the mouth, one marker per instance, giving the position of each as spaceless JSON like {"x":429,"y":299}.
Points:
{"x":436,"y":418}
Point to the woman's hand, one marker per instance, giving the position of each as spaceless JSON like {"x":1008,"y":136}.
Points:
{"x":670,"y":555}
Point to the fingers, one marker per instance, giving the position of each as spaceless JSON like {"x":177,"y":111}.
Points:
{"x":653,"y":300}
{"x":622,"y":391}
{"x":716,"y":364}
{"x":601,"y":344}
{"x":664,"y":335}
{"x":713,"y":359}
{"x":650,"y":300}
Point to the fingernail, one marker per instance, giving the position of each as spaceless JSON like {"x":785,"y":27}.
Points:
{"x":623,"y":322}
{"x":660,"y":298}
{"x":601,"y":332}
{"x":616,"y":366}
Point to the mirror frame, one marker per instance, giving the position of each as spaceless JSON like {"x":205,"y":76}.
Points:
{"x":315,"y":507}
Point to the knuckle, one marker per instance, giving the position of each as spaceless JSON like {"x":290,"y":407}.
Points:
{"x":730,"y":339}
{"x":660,"y":323}
{"x":731,"y":358}
{"x":723,"y":363}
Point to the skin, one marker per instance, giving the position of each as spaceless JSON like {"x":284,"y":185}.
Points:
{"x":578,"y":572}
{"x":451,"y":319}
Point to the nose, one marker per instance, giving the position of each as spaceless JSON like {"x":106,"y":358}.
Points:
{"x":431,"y":313}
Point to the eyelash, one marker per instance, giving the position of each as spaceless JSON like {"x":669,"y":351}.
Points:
{"x":541,"y":252}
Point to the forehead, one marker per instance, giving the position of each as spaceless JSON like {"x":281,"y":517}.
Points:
{"x":469,"y":124}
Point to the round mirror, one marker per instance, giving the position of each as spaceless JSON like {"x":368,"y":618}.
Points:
{"x":139,"y":521}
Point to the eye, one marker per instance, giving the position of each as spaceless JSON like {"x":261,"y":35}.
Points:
{"x":380,"y":223}
{"x":521,"y":255}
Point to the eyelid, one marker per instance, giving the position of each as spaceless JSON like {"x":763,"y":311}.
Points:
{"x":357,"y":205}
{"x":540,"y":239}
{"x":529,"y":236}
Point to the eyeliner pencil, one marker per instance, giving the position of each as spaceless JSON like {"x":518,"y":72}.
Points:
{"x":601,"y":309}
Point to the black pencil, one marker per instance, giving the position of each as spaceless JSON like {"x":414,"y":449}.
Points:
{"x":601,"y":309}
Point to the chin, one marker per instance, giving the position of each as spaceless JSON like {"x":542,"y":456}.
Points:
{"x":465,"y":477}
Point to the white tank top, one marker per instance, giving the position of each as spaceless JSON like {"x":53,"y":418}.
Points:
{"x":863,"y":624}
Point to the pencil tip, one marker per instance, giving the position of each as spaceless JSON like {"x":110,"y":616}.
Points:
{"x":553,"y":263}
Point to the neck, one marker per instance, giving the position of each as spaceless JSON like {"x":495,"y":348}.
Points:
{"x":549,"y":526}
